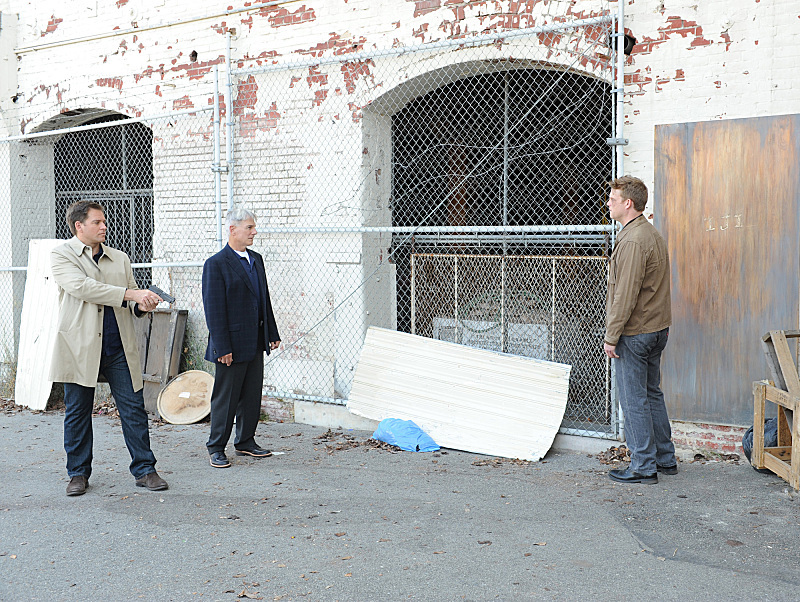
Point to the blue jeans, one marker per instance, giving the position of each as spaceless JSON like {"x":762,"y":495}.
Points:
{"x":79,"y":401}
{"x":647,"y":429}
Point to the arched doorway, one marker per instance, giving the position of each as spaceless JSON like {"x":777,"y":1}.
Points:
{"x":484,"y":165}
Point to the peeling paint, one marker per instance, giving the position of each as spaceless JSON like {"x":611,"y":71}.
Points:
{"x":184,"y":102}
{"x":52,"y":25}
{"x":109,"y":82}
{"x":339,"y":45}
{"x":353,"y":70}
{"x":423,"y":7}
{"x":676,"y":26}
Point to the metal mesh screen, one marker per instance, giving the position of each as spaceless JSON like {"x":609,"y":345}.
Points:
{"x":457,"y":192}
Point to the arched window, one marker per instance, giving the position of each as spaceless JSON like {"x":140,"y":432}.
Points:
{"x":112,"y":166}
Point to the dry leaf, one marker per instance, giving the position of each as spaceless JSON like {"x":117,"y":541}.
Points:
{"x":441,"y":552}
{"x":541,"y":543}
{"x":340,"y":534}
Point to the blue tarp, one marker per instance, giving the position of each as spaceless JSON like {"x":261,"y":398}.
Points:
{"x":404,"y":434}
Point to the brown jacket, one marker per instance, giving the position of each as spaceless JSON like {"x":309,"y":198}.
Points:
{"x":638,"y":299}
{"x":84,"y":287}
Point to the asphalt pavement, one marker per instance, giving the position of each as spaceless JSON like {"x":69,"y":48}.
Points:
{"x":335,"y":517}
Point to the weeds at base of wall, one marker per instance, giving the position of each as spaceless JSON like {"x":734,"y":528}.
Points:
{"x":194,"y":351}
{"x":8,"y":379}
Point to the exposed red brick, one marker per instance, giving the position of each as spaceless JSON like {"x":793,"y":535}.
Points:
{"x":676,"y":26}
{"x":52,"y":25}
{"x":319,"y":97}
{"x":109,"y":82}
{"x":423,"y":7}
{"x":121,"y":3}
{"x":184,"y":102}
{"x":315,"y":77}
{"x":281,"y":17}
{"x":352,"y":70}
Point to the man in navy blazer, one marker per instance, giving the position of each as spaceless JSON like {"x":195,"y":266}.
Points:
{"x":241,"y":326}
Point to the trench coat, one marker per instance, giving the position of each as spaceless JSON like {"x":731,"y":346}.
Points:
{"x":84,"y":287}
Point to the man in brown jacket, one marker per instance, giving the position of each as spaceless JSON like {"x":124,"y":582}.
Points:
{"x":638,"y":316}
{"x":98,"y":297}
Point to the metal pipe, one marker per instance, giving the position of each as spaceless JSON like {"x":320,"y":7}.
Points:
{"x":477,"y":40}
{"x":565,"y":228}
{"x":620,"y":86}
{"x":139,"y":30}
{"x":413,"y":299}
{"x":503,"y":333}
{"x":215,"y":166}
{"x":229,"y":121}
{"x":620,"y":172}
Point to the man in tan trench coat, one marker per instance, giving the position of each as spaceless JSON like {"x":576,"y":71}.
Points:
{"x":98,"y":298}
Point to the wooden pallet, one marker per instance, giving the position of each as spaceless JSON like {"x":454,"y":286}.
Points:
{"x":784,"y":459}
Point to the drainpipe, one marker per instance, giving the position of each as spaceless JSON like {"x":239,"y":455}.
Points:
{"x":215,"y":166}
{"x":229,"y":121}
{"x":619,"y":134}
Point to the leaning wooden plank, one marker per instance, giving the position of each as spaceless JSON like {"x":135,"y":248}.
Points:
{"x":465,"y":398}
{"x":37,"y":329}
{"x":786,"y":362}
{"x":759,"y":407}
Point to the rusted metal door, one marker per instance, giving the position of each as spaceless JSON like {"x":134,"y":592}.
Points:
{"x":726,"y":198}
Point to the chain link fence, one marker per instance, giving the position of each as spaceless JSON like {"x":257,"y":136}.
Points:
{"x":152,"y":177}
{"x":454,"y":190}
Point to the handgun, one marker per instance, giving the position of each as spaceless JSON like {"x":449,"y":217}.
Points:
{"x":166,"y":296}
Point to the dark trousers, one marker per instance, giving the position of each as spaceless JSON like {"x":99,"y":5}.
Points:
{"x":237,"y":393}
{"x":647,"y":430}
{"x":78,"y":437}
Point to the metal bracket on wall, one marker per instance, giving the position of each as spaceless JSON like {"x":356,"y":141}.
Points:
{"x":617,"y":141}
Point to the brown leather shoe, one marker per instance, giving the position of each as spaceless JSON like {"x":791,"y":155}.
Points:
{"x":152,"y":481}
{"x":77,"y":485}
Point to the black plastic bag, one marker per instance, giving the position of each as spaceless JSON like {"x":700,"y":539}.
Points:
{"x":770,"y":440}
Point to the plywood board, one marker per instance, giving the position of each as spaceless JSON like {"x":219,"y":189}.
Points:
{"x":37,"y":327}
{"x":469,"y":399}
{"x":727,"y":200}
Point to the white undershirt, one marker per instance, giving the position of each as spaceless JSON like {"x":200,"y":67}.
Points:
{"x":244,"y":254}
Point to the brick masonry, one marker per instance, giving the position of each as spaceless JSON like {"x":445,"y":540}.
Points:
{"x":706,"y":437}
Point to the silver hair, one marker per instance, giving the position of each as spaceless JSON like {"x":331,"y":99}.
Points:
{"x":238,"y":215}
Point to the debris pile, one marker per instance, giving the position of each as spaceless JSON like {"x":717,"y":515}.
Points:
{"x":339,"y":441}
{"x":498,"y":462}
{"x":614,"y":455}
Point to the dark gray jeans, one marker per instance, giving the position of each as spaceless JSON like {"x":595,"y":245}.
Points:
{"x":647,"y":431}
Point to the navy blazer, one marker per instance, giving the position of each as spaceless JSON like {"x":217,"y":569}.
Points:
{"x":231,"y":306}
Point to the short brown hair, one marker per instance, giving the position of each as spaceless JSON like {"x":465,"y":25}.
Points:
{"x":78,"y":211}
{"x":633,"y":189}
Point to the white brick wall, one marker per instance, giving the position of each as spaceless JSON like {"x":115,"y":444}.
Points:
{"x":694,"y":62}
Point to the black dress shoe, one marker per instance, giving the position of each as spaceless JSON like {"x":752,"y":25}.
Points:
{"x":152,"y":481}
{"x":220,"y":460}
{"x":628,"y":476}
{"x":254,"y":451}
{"x":668,"y":469}
{"x":77,"y":485}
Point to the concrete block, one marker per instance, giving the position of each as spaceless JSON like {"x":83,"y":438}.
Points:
{"x":330,"y":416}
